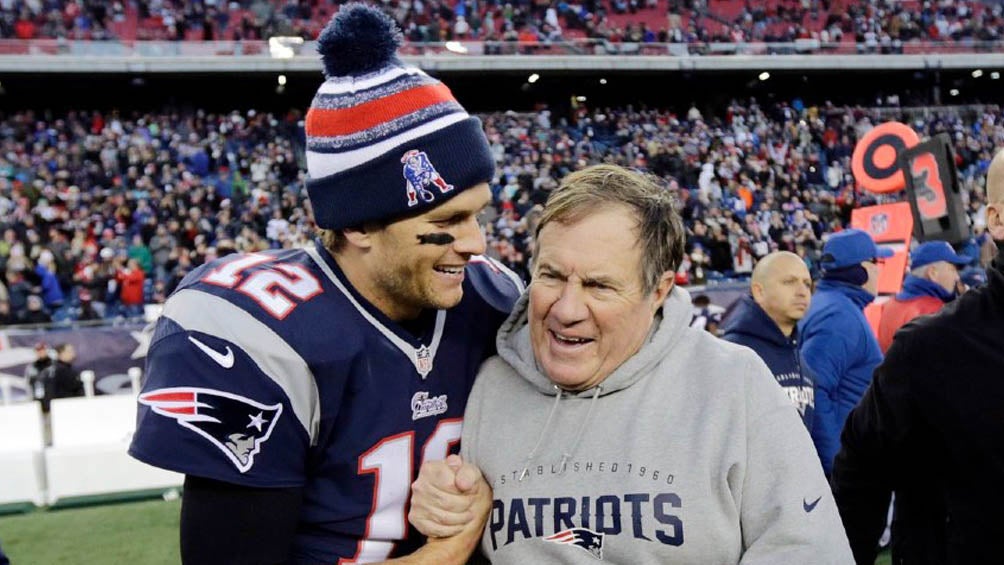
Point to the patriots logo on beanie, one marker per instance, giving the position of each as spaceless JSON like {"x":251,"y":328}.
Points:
{"x":420,"y":173}
{"x":374,"y":114}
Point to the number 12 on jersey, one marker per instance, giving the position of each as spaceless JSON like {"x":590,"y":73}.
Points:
{"x":390,"y":460}
{"x":274,"y":289}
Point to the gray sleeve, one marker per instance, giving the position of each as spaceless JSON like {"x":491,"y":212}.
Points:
{"x":787,"y":512}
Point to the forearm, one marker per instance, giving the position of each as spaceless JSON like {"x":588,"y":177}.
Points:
{"x":455,"y":550}
{"x":452,"y":545}
{"x":225,"y":523}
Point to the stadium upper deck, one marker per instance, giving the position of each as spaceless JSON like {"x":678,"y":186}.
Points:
{"x":816,"y":25}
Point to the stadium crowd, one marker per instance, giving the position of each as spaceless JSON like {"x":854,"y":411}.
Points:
{"x":103,"y":213}
{"x":873,"y":24}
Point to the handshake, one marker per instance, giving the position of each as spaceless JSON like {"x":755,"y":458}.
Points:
{"x":449,"y":498}
{"x":450,"y":502}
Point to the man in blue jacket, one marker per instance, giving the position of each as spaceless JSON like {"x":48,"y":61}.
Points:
{"x":837,"y":342}
{"x":766,"y":321}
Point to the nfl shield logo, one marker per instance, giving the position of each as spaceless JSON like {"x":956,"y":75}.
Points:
{"x":879,"y":223}
{"x":423,"y":361}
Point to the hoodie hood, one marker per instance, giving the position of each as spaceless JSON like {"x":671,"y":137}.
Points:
{"x":915,"y":287}
{"x":514,"y":346}
{"x":859,"y":296}
{"x":750,"y":319}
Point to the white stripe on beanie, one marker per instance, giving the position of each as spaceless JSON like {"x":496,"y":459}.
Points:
{"x":324,"y":164}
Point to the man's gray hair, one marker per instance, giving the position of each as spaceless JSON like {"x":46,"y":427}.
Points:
{"x":659,"y":228}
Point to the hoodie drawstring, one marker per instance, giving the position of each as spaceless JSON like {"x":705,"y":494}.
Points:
{"x":582,"y":431}
{"x":543,"y":433}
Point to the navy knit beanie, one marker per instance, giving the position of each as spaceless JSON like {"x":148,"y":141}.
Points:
{"x":384,"y":139}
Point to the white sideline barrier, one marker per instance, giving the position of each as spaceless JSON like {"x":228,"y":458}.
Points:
{"x":21,"y":463}
{"x":88,"y":456}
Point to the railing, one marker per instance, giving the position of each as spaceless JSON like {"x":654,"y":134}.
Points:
{"x":915,"y":112}
{"x":282,"y":48}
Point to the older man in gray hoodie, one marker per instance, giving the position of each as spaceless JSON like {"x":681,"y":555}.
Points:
{"x":608,"y":429}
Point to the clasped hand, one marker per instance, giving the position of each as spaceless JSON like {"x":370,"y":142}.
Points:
{"x":448,"y":498}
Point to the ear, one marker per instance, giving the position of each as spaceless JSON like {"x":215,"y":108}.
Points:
{"x":359,"y":237}
{"x":995,"y":221}
{"x":931,"y":271}
{"x":663,"y":289}
{"x":756,"y":290}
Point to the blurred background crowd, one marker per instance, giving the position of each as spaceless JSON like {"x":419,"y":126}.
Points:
{"x":103,"y":213}
{"x":883,"y":25}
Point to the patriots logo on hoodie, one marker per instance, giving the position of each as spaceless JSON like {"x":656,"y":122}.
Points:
{"x":238,"y":426}
{"x":582,"y":538}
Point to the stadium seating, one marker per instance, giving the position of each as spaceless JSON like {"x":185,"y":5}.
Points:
{"x":728,"y":21}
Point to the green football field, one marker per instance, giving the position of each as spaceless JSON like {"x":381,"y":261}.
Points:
{"x":134,"y":533}
{"x":140,"y":533}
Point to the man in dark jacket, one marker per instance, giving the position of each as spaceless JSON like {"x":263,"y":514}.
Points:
{"x":931,"y":429}
{"x":60,"y":379}
{"x":766,"y":321}
{"x":65,"y":380}
{"x":33,"y":373}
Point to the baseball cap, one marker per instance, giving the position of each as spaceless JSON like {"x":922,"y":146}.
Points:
{"x":850,"y":247}
{"x":934,"y":251}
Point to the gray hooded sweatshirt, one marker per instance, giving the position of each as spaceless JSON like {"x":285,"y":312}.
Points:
{"x":689,"y":452}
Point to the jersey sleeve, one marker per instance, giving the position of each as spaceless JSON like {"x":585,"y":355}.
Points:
{"x":495,"y":283}
{"x":225,"y":397}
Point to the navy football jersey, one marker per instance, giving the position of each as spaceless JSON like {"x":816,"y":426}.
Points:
{"x":270,"y":370}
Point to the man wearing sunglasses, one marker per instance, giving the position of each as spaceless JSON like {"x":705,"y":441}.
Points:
{"x":837,"y":342}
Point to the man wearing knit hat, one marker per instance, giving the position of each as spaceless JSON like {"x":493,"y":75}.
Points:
{"x":932,"y":282}
{"x":299,"y":391}
{"x":837,"y":342}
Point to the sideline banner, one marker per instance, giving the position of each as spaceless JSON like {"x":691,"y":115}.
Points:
{"x":109,"y":351}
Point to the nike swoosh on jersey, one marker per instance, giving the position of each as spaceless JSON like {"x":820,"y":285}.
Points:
{"x":810,"y":506}
{"x":225,"y":361}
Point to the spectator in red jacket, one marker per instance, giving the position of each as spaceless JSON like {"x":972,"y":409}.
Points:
{"x":933,"y":281}
{"x":130,"y":279}
{"x":24,"y":28}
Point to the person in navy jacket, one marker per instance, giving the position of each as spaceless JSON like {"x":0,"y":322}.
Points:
{"x":766,"y":321}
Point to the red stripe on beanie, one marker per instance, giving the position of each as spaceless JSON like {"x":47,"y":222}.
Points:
{"x":344,"y":121}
